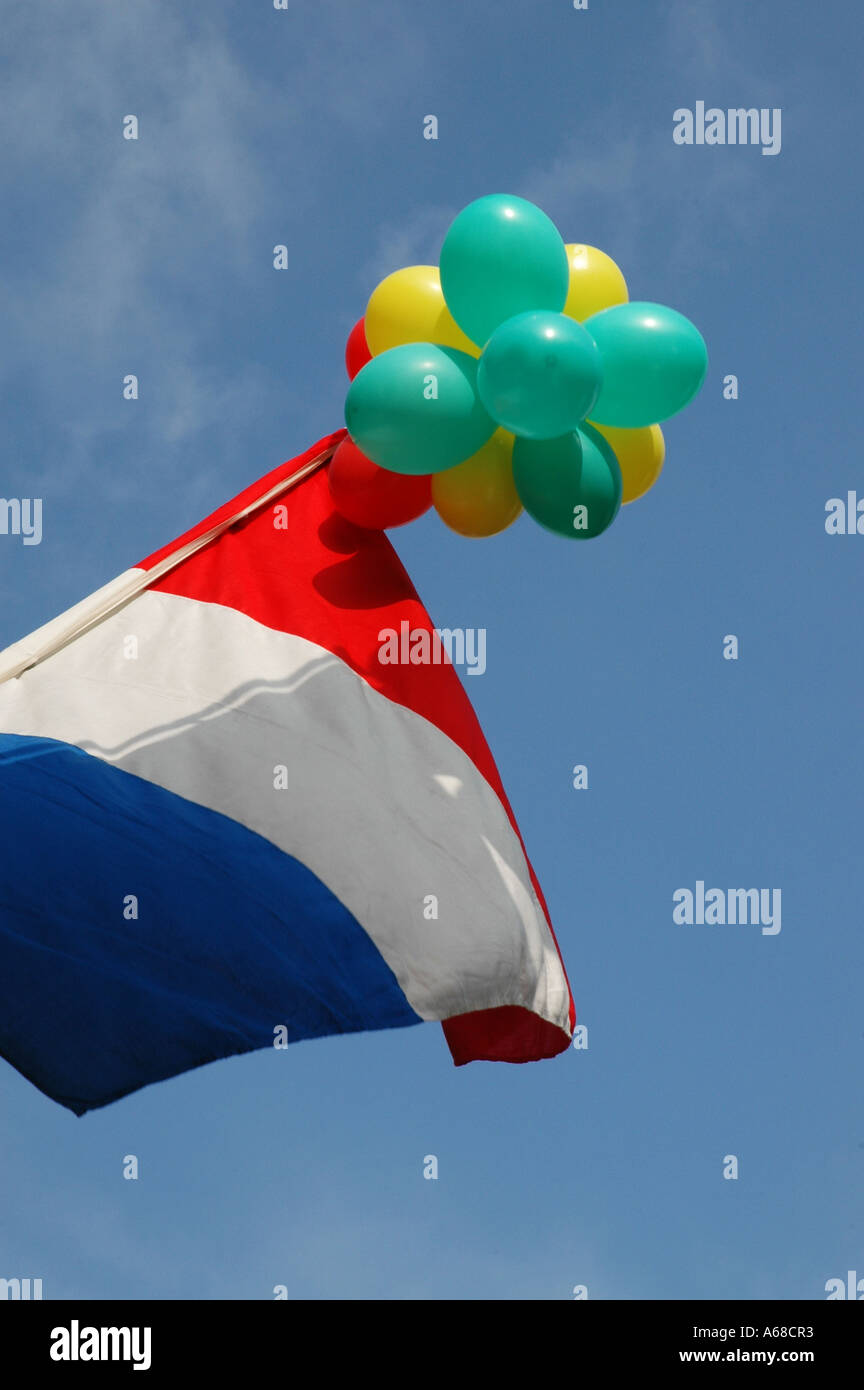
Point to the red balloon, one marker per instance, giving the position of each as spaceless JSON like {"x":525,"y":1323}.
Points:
{"x":357,"y":352}
{"x":374,"y":497}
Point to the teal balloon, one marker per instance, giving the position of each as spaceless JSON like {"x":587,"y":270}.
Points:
{"x":571,"y":485}
{"x":415,"y":409}
{"x":539,"y":375}
{"x":502,"y":256}
{"x":654,"y":362}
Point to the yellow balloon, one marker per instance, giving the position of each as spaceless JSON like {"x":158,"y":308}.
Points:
{"x":478,"y":497}
{"x":595,"y":282}
{"x":640,"y":454}
{"x":408,"y":307}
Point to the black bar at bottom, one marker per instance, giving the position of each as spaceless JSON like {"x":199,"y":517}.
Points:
{"x":162,"y":1339}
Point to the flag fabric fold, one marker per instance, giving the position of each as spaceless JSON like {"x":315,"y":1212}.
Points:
{"x":228,"y":820}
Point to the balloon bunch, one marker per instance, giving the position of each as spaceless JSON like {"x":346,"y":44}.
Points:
{"x":518,"y":376}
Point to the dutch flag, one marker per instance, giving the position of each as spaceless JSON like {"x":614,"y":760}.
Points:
{"x":224,"y":816}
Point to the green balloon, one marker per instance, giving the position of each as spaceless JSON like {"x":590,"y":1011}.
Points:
{"x":539,"y":375}
{"x":415,"y":409}
{"x":571,"y":485}
{"x":502,"y":256}
{"x":654,"y":362}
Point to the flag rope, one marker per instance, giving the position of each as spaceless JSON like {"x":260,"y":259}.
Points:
{"x":107,"y":601}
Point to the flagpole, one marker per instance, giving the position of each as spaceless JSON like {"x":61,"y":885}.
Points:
{"x":54,"y":636}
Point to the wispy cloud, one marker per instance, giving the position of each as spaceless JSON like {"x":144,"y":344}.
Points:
{"x":414,"y":240}
{"x":620,"y":181}
{"x":698,"y":41}
{"x":155,"y":244}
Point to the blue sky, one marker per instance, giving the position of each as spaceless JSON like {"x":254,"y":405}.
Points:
{"x":304,"y":127}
